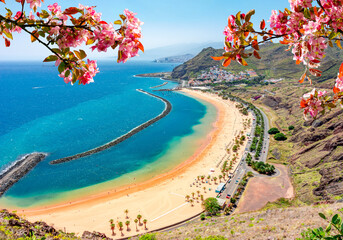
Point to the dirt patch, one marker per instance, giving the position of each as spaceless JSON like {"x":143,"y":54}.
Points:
{"x":261,"y":190}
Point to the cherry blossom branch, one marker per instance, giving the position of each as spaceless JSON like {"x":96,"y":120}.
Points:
{"x":44,"y":44}
{"x":87,"y":29}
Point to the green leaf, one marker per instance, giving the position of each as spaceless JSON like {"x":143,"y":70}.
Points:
{"x":335,"y":219}
{"x":61,"y":67}
{"x":307,"y":13}
{"x":122,"y":17}
{"x":249,"y":14}
{"x":90,"y":41}
{"x":8,"y":34}
{"x":120,"y":54}
{"x":328,"y":228}
{"x":57,"y":50}
{"x":332,"y":35}
{"x":51,"y":58}
{"x":41,"y":33}
{"x":67,"y":73}
{"x":238,"y":18}
{"x":83,"y":54}
{"x":322,"y":216}
{"x":77,"y":53}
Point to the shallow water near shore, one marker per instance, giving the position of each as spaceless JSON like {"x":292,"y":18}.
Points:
{"x":40,"y":113}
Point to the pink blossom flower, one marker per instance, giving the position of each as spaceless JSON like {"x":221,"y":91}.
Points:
{"x":66,"y":79}
{"x":55,"y":9}
{"x":89,"y":72}
{"x":228,"y":33}
{"x":312,"y":27}
{"x":311,"y":102}
{"x":34,"y":3}
{"x":106,"y":37}
{"x":339,"y":83}
{"x":300,"y":3}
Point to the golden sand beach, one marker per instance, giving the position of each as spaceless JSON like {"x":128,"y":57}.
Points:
{"x":160,"y":200}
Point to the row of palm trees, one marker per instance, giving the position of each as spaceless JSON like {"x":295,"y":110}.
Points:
{"x":224,"y":174}
{"x":120,"y":225}
{"x":191,"y":200}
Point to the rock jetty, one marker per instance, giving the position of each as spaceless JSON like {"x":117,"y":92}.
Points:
{"x":19,"y":169}
{"x":161,"y":85}
{"x":122,"y":138}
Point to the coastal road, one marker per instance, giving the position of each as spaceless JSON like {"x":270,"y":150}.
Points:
{"x":265,"y":147}
{"x":232,"y":184}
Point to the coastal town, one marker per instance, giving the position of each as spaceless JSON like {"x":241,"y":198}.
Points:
{"x":218,"y":75}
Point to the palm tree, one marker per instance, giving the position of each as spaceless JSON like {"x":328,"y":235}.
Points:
{"x":198,"y":192}
{"x":145,"y":221}
{"x":193,"y":194}
{"x":224,"y":175}
{"x":198,"y":177}
{"x":202,"y":197}
{"x":187,"y":197}
{"x":126,"y":212}
{"x":120,"y":225}
{"x":208,"y":177}
{"x":127,"y":223}
{"x":220,"y":178}
{"x":204,"y":189}
{"x":112,"y":226}
{"x":215,"y":180}
{"x":139,"y":219}
{"x":136,"y":221}
{"x":191,"y":201}
{"x":202,"y":178}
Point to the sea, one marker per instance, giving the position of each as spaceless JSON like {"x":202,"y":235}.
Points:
{"x":40,"y":113}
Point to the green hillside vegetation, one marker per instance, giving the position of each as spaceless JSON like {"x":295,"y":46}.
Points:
{"x":313,"y":149}
{"x":278,"y":223}
{"x":275,"y":63}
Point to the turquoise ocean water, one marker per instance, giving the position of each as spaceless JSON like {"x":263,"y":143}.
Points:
{"x":38,"y":112}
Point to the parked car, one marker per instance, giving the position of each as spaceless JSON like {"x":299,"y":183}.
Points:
{"x":228,"y":196}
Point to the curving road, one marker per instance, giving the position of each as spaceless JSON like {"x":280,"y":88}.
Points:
{"x":232,"y":183}
{"x":265,"y":147}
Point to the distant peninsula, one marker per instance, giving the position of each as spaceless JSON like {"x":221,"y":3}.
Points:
{"x":164,"y":75}
{"x":175,"y":59}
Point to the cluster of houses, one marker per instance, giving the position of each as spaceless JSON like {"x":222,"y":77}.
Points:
{"x":217,"y":75}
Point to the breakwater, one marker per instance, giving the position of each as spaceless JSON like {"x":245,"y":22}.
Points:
{"x":122,"y":138}
{"x":161,"y":85}
{"x":18,"y":169}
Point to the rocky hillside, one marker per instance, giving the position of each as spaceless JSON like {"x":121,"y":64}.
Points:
{"x":314,"y":149}
{"x":14,"y":227}
{"x":275,"y":63}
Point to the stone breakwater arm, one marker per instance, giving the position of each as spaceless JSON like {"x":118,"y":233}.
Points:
{"x":122,"y":138}
{"x":161,"y":85}
{"x":18,"y":170}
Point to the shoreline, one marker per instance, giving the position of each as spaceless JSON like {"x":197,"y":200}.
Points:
{"x":130,"y":188}
{"x":168,"y":189}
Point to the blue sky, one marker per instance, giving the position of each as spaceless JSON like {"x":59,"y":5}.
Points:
{"x":165,"y":22}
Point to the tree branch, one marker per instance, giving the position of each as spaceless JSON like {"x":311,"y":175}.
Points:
{"x":47,"y":46}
